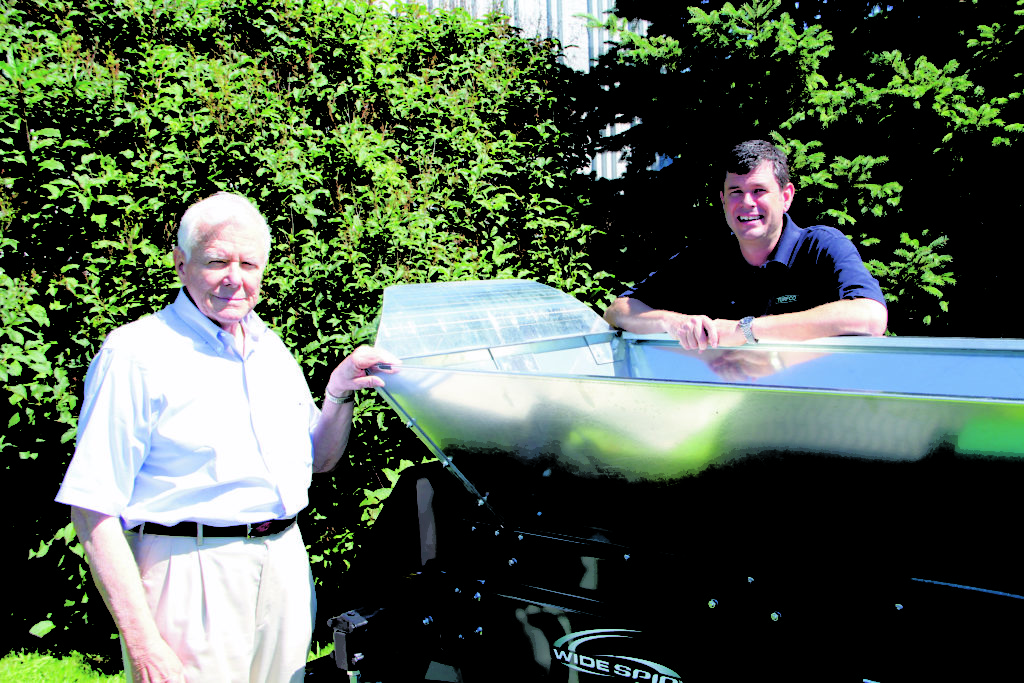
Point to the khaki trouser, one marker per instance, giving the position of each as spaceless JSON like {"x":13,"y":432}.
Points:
{"x":235,"y":610}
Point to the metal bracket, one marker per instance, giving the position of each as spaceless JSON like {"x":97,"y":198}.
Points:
{"x":344,"y":625}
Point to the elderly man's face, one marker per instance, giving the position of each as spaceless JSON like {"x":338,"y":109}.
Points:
{"x":224,"y":272}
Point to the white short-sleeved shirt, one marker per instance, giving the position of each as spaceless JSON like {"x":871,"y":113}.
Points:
{"x":176,"y":425}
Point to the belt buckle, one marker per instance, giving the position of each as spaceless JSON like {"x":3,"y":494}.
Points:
{"x":259,"y":529}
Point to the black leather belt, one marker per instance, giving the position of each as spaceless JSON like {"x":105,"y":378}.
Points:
{"x":269,"y":528}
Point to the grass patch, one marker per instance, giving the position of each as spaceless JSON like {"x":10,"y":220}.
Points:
{"x":42,"y":668}
{"x":20,"y":667}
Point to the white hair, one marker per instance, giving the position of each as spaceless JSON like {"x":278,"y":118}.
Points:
{"x":221,"y":208}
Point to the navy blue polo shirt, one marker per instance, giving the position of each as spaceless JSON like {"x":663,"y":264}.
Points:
{"x":807,"y":268}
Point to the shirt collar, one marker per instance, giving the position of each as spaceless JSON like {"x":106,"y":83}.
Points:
{"x":788,"y":241}
{"x":187,"y":310}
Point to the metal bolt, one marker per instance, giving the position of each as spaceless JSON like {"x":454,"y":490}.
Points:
{"x":712,"y":603}
{"x":776,"y":616}
{"x":428,"y":621}
{"x":512,"y":562}
{"x":357,"y":657}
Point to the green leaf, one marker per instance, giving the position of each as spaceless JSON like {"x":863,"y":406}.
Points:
{"x":41,"y":628}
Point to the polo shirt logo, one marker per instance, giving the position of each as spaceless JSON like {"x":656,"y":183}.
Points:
{"x":786,"y":299}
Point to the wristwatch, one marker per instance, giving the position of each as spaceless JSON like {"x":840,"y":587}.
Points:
{"x":746,"y":329}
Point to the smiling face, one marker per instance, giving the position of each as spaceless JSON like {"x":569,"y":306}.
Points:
{"x":224,"y":271}
{"x":755,"y":206}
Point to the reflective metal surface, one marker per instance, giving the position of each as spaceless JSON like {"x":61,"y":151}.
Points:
{"x":516,"y":367}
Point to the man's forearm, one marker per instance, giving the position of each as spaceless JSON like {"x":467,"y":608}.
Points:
{"x":330,"y":438}
{"x":846,"y":317}
{"x":634,"y":316}
{"x":836,"y":318}
{"x":116,"y":576}
{"x":692,"y":331}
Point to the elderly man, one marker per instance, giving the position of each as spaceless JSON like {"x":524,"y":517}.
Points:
{"x":198,"y":435}
{"x":783,"y":283}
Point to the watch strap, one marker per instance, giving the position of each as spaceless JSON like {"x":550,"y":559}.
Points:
{"x":748,"y":331}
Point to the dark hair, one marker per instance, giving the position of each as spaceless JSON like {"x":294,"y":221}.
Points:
{"x":746,"y":156}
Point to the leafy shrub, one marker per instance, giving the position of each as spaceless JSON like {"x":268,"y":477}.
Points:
{"x":383,"y":148}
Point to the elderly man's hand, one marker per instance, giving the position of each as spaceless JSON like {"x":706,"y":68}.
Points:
{"x":350,"y":375}
{"x":158,"y":665}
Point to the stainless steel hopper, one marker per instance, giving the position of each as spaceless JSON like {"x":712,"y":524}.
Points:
{"x":516,"y":368}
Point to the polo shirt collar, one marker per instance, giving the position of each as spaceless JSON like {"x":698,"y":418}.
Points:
{"x":788,"y":241}
{"x":187,"y":310}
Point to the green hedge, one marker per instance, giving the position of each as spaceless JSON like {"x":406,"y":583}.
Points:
{"x":383,"y":148}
